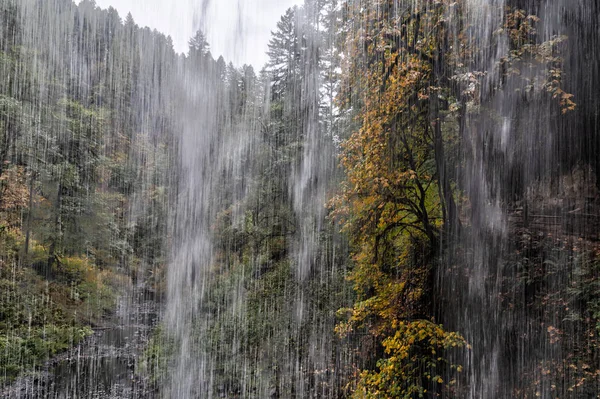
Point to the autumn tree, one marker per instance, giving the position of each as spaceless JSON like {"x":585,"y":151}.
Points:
{"x":396,"y":198}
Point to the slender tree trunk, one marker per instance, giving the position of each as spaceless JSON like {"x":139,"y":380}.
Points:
{"x":29,"y":213}
{"x":451,"y":219}
{"x":57,"y":231}
{"x":4,"y":156}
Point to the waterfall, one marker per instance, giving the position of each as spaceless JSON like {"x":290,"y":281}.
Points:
{"x":404,"y":200}
{"x":250,"y":209}
{"x":512,"y":146}
{"x":479,"y":315}
{"x":192,"y":250}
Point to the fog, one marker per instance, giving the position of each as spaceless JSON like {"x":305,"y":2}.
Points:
{"x":237,"y":29}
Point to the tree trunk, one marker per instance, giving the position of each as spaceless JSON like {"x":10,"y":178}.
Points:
{"x":57,"y":231}
{"x":29,"y":213}
{"x":451,"y":220}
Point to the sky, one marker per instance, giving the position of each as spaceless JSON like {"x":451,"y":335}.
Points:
{"x":239,"y":30}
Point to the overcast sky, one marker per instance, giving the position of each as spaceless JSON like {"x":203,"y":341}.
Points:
{"x":239,"y":30}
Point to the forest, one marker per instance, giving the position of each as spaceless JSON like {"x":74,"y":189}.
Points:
{"x":402,"y":203}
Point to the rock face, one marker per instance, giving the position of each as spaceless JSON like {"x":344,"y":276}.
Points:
{"x":106,"y":365}
{"x":518,"y":276}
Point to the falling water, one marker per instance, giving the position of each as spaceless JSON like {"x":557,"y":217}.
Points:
{"x":205,"y":185}
{"x":525,"y":178}
{"x":481,"y":311}
{"x":192,"y":252}
{"x":222,"y":185}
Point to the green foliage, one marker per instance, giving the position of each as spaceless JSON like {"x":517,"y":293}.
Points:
{"x":22,"y":350}
{"x":74,"y":159}
{"x":39,"y":319}
{"x":154,"y":361}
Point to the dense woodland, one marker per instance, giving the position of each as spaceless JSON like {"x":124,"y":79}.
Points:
{"x":403,"y":202}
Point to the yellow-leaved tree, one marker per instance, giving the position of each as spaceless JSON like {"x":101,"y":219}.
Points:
{"x":396,"y":198}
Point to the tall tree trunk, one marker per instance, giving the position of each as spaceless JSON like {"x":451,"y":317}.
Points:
{"x":29,"y":213}
{"x":451,"y":219}
{"x":57,"y":231}
{"x":4,"y":150}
